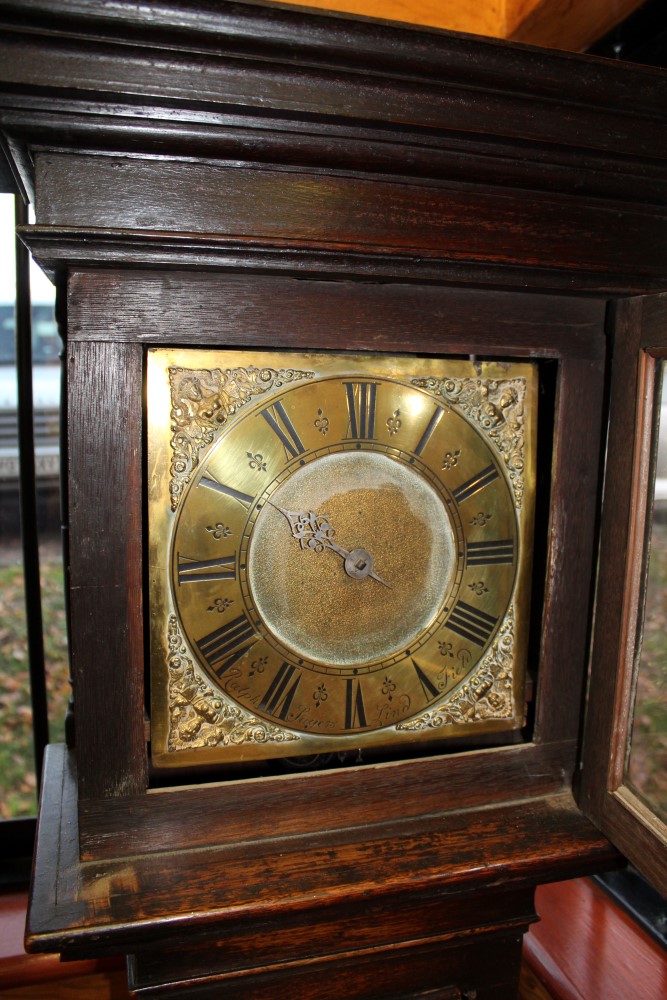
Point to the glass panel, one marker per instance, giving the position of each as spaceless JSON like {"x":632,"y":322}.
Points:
{"x":17,"y":777}
{"x":46,"y":349}
{"x":647,"y":766}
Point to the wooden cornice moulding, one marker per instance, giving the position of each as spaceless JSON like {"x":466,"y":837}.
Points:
{"x":270,"y":42}
{"x":57,"y":248}
{"x":420,"y":153}
{"x":322,"y":98}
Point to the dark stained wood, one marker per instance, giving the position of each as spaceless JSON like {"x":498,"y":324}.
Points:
{"x":138,"y":901}
{"x":641,"y":328}
{"x":343,"y":145}
{"x":237,"y":310}
{"x":399,"y":792}
{"x":485,"y":966}
{"x":226,"y":86}
{"x":321,"y":210}
{"x":568,"y":596}
{"x":331,"y":66}
{"x":105,"y":566}
{"x":614,"y":552}
{"x":240,"y":310}
{"x":342,"y":933}
{"x":57,"y":248}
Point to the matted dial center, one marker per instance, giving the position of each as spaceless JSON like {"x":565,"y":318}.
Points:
{"x":351,"y":559}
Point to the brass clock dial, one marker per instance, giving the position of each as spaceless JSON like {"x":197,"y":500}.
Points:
{"x":339,"y":551}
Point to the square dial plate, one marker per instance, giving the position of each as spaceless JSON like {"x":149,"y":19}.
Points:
{"x":340,"y":551}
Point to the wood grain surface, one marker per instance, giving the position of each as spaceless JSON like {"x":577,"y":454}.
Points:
{"x":105,"y":565}
{"x":604,"y":795}
{"x":307,"y":889}
{"x":320,"y":210}
{"x":586,"y":947}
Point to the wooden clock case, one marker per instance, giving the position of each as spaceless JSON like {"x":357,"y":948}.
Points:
{"x":242,"y":175}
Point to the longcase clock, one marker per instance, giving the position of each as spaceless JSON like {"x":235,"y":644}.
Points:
{"x":347,"y":311}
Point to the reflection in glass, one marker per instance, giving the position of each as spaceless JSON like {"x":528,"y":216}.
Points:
{"x":17,"y":769}
{"x":647,"y":767}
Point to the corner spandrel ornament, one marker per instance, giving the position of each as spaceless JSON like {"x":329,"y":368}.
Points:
{"x":202,"y":717}
{"x":202,"y":400}
{"x":497,"y":406}
{"x":487,"y":694}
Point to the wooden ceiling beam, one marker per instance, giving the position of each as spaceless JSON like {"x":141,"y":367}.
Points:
{"x":486,"y":17}
{"x":558,"y":24}
{"x":562,"y":24}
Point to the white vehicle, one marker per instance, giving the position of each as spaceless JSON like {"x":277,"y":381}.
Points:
{"x":46,"y":396}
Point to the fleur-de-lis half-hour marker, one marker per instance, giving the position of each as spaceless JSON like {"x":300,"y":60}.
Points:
{"x":257,"y":666}
{"x":322,"y":423}
{"x":219,"y":530}
{"x":388,"y":688}
{"x":220,"y":604}
{"x":319,"y":695}
{"x":451,"y":459}
{"x":394,"y":423}
{"x":256,"y":461}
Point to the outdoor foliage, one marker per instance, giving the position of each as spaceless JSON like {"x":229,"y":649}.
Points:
{"x":648,"y":760}
{"x":17,"y":777}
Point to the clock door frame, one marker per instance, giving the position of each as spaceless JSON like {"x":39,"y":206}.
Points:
{"x":107,"y":498}
{"x":606,"y":795}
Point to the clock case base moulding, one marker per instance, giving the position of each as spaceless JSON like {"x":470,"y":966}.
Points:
{"x":311,"y":900}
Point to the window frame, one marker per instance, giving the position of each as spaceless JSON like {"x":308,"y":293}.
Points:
{"x":17,"y":836}
{"x":606,"y":797}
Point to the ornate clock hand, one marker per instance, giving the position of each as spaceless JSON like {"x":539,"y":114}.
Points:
{"x":315,"y":531}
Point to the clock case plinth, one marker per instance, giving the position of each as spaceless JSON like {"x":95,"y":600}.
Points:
{"x":254,"y":177}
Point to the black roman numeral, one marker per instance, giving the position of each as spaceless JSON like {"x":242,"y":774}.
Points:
{"x":428,"y":687}
{"x":355,"y":714}
{"x":361,"y":397}
{"x":212,"y":484}
{"x":280,"y":424}
{"x":279,"y":697}
{"x":477,"y":483}
{"x":471,"y":623}
{"x":432,"y":424}
{"x":191,"y":571}
{"x":490,"y":553}
{"x":226,"y":645}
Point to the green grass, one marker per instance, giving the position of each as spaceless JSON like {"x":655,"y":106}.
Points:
{"x":17,"y":776}
{"x":648,"y":759}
